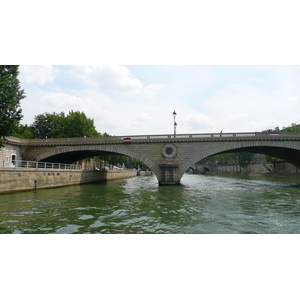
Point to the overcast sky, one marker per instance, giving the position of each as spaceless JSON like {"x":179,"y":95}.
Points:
{"x":140,"y":99}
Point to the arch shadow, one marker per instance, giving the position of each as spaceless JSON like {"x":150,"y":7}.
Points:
{"x":290,"y":155}
{"x":63,"y":155}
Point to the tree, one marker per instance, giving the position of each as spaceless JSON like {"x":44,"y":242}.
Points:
{"x":241,"y":158}
{"x":271,"y":159}
{"x":79,"y":125}
{"x":118,"y":159}
{"x":49,"y":125}
{"x":10,"y":96}
{"x":244,"y":159}
{"x":56,"y":125}
{"x":293,"y":128}
{"x":23,"y":132}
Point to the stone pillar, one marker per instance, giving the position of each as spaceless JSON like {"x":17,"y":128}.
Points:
{"x":168,"y":172}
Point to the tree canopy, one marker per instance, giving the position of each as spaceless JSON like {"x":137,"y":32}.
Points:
{"x":57,"y":125}
{"x":293,"y":128}
{"x":10,"y":96}
{"x":241,"y":158}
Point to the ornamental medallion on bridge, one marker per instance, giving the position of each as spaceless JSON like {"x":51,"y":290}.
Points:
{"x":168,"y":151}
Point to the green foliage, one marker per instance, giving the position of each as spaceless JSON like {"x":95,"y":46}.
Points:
{"x":10,"y":97}
{"x":129,"y":162}
{"x":78,"y":125}
{"x":225,"y":158}
{"x":24,"y":132}
{"x":53,"y":125}
{"x":242,"y":158}
{"x":270,"y":159}
{"x":49,"y":125}
{"x":293,"y":128}
{"x":134,"y":163}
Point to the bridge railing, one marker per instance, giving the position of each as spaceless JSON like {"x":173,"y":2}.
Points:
{"x":150,"y":137}
{"x":214,"y":135}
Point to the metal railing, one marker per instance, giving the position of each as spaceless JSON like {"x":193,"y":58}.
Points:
{"x":39,"y":165}
{"x":61,"y":166}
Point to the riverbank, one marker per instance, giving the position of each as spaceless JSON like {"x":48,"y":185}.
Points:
{"x":14,"y":180}
{"x":263,"y":169}
{"x":253,"y":174}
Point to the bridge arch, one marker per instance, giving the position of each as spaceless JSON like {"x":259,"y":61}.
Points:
{"x":71,"y":154}
{"x":191,"y":169}
{"x":289,"y":153}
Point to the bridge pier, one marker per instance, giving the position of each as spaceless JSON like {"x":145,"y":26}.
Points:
{"x":168,"y":174}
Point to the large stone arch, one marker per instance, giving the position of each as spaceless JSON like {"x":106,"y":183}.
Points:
{"x":290,"y":152}
{"x":95,"y":150}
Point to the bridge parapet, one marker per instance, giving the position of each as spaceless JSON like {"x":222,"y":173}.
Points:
{"x":150,"y":138}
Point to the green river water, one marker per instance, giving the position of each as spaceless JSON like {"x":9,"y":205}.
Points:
{"x":201,"y":204}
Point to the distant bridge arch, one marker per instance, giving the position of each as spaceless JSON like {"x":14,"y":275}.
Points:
{"x":279,"y":149}
{"x":191,"y":169}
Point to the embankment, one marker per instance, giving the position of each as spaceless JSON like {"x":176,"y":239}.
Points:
{"x":12,"y":179}
{"x":144,"y":173}
{"x":275,"y":174}
{"x":279,"y":169}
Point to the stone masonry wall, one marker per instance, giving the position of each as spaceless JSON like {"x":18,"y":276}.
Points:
{"x":12,"y":179}
{"x":8,"y":153}
{"x":258,"y":168}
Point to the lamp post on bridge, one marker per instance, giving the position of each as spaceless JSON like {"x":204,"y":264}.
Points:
{"x":175,"y":124}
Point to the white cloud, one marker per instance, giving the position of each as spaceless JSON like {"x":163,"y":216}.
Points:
{"x":151,"y":89}
{"x":61,"y":100}
{"x":236,"y":118}
{"x":112,"y":78}
{"x":96,"y":106}
{"x":198,"y":122}
{"x":143,"y":117}
{"x":38,"y":74}
{"x":293,"y":101}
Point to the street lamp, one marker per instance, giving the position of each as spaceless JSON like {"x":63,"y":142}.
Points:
{"x":175,"y":124}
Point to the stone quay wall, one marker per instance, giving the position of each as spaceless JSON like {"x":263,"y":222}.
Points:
{"x":14,"y":179}
{"x":8,"y":154}
{"x":280,"y":168}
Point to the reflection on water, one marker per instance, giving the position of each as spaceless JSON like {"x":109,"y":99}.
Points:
{"x":202,"y":204}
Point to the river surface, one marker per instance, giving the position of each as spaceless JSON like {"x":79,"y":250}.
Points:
{"x":202,"y":204}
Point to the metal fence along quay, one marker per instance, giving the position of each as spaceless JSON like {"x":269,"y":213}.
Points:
{"x":39,"y":165}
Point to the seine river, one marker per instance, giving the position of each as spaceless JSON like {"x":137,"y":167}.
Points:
{"x":202,"y":204}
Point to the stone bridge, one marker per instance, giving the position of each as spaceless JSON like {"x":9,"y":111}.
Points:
{"x":168,"y":156}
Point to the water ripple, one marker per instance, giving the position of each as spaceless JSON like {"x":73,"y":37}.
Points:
{"x":201,"y":205}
